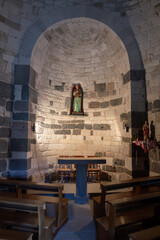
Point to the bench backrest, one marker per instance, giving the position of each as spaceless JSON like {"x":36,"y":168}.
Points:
{"x":25,"y":205}
{"x":20,"y":186}
{"x":130,"y":203}
{"x":135,"y":183}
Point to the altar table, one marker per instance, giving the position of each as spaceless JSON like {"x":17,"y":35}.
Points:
{"x":81,"y":174}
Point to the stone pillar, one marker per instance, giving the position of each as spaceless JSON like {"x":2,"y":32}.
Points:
{"x":23,"y":120}
{"x":6,"y":104}
{"x":137,"y":117}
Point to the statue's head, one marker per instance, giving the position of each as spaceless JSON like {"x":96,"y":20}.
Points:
{"x":77,"y":86}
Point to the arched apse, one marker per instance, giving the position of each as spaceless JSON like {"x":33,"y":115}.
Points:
{"x":107,"y":95}
{"x":119,"y":25}
{"x":85,"y":51}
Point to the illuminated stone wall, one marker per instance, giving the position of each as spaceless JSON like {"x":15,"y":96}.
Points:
{"x":111,"y":48}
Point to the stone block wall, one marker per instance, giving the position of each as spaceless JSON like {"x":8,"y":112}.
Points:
{"x":97,"y":60}
{"x":119,"y":86}
{"x":6,"y":105}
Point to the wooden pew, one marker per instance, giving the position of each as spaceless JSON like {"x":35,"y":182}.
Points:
{"x":26,"y":215}
{"x":6,"y":234}
{"x":127,"y":212}
{"x":114,"y":190}
{"x":56,"y":202}
{"x":147,"y":234}
{"x":56,"y":205}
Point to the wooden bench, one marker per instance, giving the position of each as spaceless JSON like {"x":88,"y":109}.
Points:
{"x":6,"y":234}
{"x":56,"y":205}
{"x":147,"y":234}
{"x":26,"y":215}
{"x":114,"y":190}
{"x":128,"y":212}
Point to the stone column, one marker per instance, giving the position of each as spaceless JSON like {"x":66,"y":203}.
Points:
{"x":137,"y":117}
{"x":23,"y":121}
{"x":6,"y":104}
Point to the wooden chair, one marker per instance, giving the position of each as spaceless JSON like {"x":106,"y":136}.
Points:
{"x":74,"y":172}
{"x":74,"y":167}
{"x":94,"y":171}
{"x":64,"y":170}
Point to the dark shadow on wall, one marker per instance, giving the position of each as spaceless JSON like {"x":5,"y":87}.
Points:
{"x":152,"y":130}
{"x":140,"y":162}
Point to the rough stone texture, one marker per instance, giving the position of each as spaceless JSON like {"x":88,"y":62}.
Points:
{"x":76,"y":132}
{"x":156,"y":103}
{"x":101,"y":127}
{"x":96,"y":114}
{"x":134,"y":75}
{"x":24,"y":116}
{"x":68,"y":102}
{"x":21,"y":74}
{"x":88,"y":126}
{"x":125,"y":139}
{"x":2,"y":101}
{"x":21,"y":106}
{"x":68,"y":126}
{"x":29,"y":93}
{"x":9,"y":106}
{"x":104,"y":104}
{"x":155,"y":167}
{"x":62,"y":132}
{"x":59,"y":88}
{"x":80,"y":126}
{"x":58,"y":44}
{"x":19,"y":144}
{"x":55,"y":126}
{"x":52,"y":112}
{"x":124,"y":116}
{"x":3,"y":165}
{"x":150,"y":106}
{"x":116,"y":102}
{"x":94,"y":105}
{"x":63,"y":113}
{"x":19,"y":164}
{"x":6,"y":90}
{"x":3,"y":145}
{"x":4,"y":121}
{"x":51,"y":103}
{"x":118,"y":162}
{"x":101,"y":87}
{"x":4,"y":132}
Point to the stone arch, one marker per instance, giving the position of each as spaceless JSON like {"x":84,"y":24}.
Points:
{"x":118,"y":25}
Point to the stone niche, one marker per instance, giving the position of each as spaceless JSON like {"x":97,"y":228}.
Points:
{"x":87,"y":52}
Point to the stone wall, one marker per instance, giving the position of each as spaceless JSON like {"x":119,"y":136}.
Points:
{"x":81,"y":51}
{"x":6,"y":105}
{"x":122,"y":39}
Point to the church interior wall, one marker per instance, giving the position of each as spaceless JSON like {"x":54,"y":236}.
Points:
{"x":107,"y":100}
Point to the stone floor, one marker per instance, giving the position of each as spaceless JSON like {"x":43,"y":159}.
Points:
{"x":80,"y":225}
